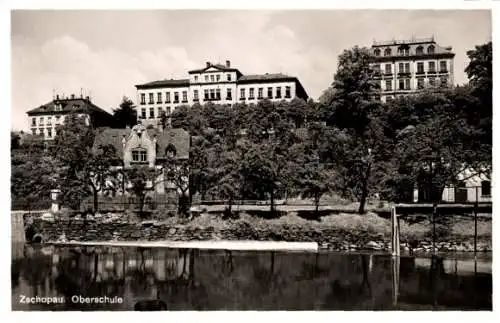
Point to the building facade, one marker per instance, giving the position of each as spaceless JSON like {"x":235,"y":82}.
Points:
{"x":409,"y":66}
{"x":147,"y":148}
{"x":216,"y":83}
{"x":45,"y":119}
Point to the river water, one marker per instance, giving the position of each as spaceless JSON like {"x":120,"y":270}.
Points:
{"x":191,"y":279}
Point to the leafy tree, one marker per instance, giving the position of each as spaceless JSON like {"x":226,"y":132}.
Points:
{"x":176,"y":171}
{"x":125,"y":115}
{"x":353,"y":108}
{"x":142,"y":181}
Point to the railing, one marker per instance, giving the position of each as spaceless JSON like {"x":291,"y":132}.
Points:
{"x":402,"y":42}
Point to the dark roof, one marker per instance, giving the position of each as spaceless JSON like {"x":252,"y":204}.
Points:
{"x":217,"y":66}
{"x":164,"y":83}
{"x":265,"y":77}
{"x":67,"y":106}
{"x":176,"y":136}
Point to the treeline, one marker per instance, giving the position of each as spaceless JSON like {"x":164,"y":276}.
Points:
{"x":349,"y":143}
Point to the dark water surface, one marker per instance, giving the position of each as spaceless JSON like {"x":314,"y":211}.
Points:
{"x":188,"y":279}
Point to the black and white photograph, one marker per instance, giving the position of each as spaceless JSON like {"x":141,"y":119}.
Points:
{"x":251,"y":159}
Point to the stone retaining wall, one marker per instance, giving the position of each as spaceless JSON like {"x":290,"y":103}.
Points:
{"x":327,"y":238}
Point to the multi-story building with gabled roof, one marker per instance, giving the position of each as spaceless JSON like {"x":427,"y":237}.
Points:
{"x":216,"y":83}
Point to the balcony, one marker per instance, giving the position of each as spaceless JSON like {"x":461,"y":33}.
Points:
{"x":443,"y":70}
{"x":185,"y":101}
{"x":242,"y":98}
{"x":420,"y":72}
{"x":229,"y":98}
{"x":251,"y":98}
{"x":176,"y":101}
{"x":143,"y":102}
{"x":431,"y":71}
{"x":196,"y":99}
{"x":386,"y":73}
{"x":405,"y":73}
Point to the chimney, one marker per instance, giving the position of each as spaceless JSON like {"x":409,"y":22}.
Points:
{"x":228,"y":63}
{"x":57,"y":97}
{"x":72,"y":96}
{"x":208,"y":64}
{"x":87,"y":98}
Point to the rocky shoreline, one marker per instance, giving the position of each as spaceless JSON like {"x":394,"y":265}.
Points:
{"x":328,"y":238}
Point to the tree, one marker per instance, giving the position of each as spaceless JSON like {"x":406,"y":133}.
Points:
{"x":125,"y":115}
{"x":142,"y":181}
{"x":176,"y":171}
{"x":353,"y":108}
{"x":83,"y":170}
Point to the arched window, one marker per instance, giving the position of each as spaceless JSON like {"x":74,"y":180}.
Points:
{"x":170,"y":151}
{"x":430,"y":49}
{"x":420,"y":50}
{"x":387,"y":52}
{"x":376,"y":52}
{"x":403,"y":51}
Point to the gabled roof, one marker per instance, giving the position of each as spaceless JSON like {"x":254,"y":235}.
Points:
{"x":220,"y":67}
{"x":176,"y":136}
{"x":164,"y":83}
{"x":67,"y":106}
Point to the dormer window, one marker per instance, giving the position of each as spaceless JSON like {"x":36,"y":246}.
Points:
{"x":170,"y":151}
{"x":430,"y":49}
{"x":229,"y":77}
{"x":376,"y":52}
{"x":387,"y":52}
{"x":212,"y":79}
{"x":206,"y":78}
{"x":139,"y":156}
{"x":419,"y":50}
{"x":196,"y":78}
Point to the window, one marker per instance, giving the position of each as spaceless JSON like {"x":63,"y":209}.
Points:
{"x":40,"y":122}
{"x":403,"y":51}
{"x":430,"y":50}
{"x":49,"y":132}
{"x":139,"y":155}
{"x":176,"y":97}
{"x":184,"y":96}
{"x":229,"y":95}
{"x":212,"y":79}
{"x":432,"y":82}
{"x":442,"y":67}
{"x":218,"y":77}
{"x":196,"y":78}
{"x":40,"y":131}
{"x":260,"y":93}
{"x":242,"y":94}
{"x":57,"y":119}
{"x":288,"y":90}
{"x":151,"y":98}
{"x":251,"y":95}
{"x":401,"y":68}
{"x":167,"y":97}
{"x":151,"y":113}
{"x":485,"y":188}
{"x":229,"y":77}
{"x":420,"y":83}
{"x":407,"y":67}
{"x":420,"y":50}
{"x":212,"y":94}
{"x":143,"y":98}
{"x":389,"y":99}
{"x":420,"y":68}
{"x":206,"y":94}
{"x":376,"y":52}
{"x":33,"y":121}
{"x":206,"y":78}
{"x":49,"y":121}
{"x":432,"y":67}
{"x":278,"y":92}
{"x":269,"y":92}
{"x":376,"y":68}
{"x":195,"y":95}
{"x":143,"y":113}
{"x":158,"y":98}
{"x":33,"y":131}
{"x":407,"y":84}
{"x":168,"y":111}
{"x":160,"y":112}
{"x":401,"y":84}
{"x":217,"y":94}
{"x":388,"y":69}
{"x":387,"y":52}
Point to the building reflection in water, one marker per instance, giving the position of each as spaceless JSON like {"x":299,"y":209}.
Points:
{"x":188,"y":279}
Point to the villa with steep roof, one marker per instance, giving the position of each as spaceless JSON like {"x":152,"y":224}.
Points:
{"x":216,"y":83}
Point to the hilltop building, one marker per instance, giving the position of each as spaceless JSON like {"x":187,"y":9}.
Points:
{"x":45,"y":118}
{"x":407,"y":66}
{"x":217,"y":83}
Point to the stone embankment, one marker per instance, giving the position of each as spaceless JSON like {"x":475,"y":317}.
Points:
{"x":328,"y":238}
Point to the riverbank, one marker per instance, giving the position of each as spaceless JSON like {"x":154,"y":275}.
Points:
{"x":341,"y":232}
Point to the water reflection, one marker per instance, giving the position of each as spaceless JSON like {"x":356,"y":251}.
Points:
{"x":186,"y":279}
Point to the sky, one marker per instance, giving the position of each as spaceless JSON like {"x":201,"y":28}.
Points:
{"x":107,"y":52}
